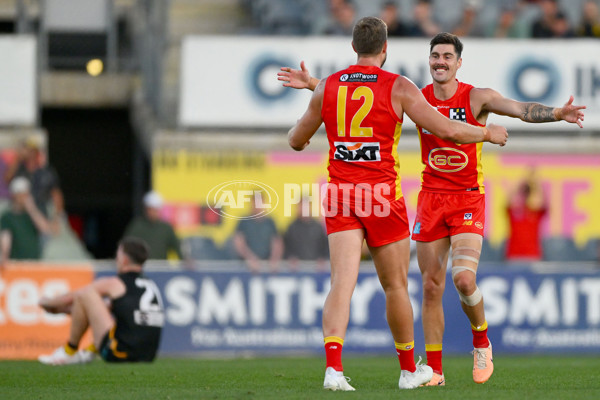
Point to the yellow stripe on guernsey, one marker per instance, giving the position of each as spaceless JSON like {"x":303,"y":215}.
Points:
{"x":114,"y":344}
{"x":421,"y":158}
{"x":397,"y":133}
{"x":480,"y":168}
{"x":404,"y":346}
{"x":433,"y":347}
{"x":334,"y":339}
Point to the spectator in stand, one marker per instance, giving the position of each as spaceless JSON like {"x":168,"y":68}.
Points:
{"x":542,"y":27}
{"x":590,"y":20}
{"x":510,"y":23}
{"x":468,"y":25}
{"x":305,"y":239}
{"x":45,"y":185}
{"x":21,"y":225}
{"x":526,"y":208}
{"x":159,"y":234}
{"x":424,"y":25}
{"x":343,"y":14}
{"x":553,"y":23}
{"x":562,"y":27}
{"x":390,"y":14}
{"x":257,"y":240}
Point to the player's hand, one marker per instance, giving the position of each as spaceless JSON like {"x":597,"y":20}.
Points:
{"x":253,"y":264}
{"x":294,"y":78}
{"x":571,"y":113}
{"x":28,"y":202}
{"x":498,"y":134}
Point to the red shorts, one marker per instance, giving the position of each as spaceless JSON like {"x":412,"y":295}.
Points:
{"x":379,"y":229}
{"x":441,"y":215}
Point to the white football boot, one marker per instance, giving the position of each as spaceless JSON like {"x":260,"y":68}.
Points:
{"x":411,"y":380}
{"x":335,"y":380}
{"x":60,"y":357}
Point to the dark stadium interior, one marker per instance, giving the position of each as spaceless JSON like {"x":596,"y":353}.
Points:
{"x":93,"y":151}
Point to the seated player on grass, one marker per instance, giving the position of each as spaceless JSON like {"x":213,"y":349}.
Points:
{"x":125,"y":313}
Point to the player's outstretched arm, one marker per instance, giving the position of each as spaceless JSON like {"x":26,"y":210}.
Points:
{"x":494,"y":102}
{"x":300,"y":134}
{"x":57,"y":305}
{"x":297,"y":78}
{"x":407,"y":98}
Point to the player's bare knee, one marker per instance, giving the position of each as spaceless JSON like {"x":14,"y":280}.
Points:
{"x":83,"y":293}
{"x":432,"y":290}
{"x":398,"y":288}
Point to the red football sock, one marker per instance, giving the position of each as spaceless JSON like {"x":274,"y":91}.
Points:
{"x":480,"y":338}
{"x":406,"y":355}
{"x":333,"y":352}
{"x":434,"y":357}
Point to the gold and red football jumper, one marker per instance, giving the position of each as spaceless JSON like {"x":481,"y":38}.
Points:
{"x":363,"y":132}
{"x":451,"y":167}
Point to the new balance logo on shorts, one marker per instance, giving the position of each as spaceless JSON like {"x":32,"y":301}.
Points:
{"x":468,"y":215}
{"x":368,"y":151}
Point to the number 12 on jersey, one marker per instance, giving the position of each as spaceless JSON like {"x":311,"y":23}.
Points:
{"x":356,"y":128}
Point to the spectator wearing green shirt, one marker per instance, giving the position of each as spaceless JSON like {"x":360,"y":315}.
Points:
{"x":256,"y":240}
{"x":21,"y":225}
{"x":149,"y":227}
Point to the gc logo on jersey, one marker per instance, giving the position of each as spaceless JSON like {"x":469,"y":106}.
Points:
{"x":346,"y":151}
{"x":447,"y":159}
{"x":459,"y":114}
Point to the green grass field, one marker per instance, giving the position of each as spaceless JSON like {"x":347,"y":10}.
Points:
{"x":539,"y":377}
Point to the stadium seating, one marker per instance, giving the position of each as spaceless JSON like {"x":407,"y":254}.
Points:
{"x":591,"y":250}
{"x":491,"y":253}
{"x":202,"y":248}
{"x":560,"y":248}
{"x":282,"y":17}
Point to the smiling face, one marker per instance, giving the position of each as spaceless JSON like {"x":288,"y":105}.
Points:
{"x":443,"y":63}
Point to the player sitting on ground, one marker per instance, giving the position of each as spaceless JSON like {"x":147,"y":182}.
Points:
{"x":127,"y":330}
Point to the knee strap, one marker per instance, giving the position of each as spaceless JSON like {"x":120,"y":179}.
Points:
{"x":460,"y":268}
{"x":473,"y":299}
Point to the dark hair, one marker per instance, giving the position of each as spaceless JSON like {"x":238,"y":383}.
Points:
{"x":135,"y":248}
{"x":369,"y":36}
{"x":447,"y":38}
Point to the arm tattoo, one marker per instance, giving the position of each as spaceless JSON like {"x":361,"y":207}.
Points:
{"x":535,"y":112}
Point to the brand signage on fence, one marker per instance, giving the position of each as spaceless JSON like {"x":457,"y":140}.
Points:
{"x":236,"y":312}
{"x":239,"y":87}
{"x":526,"y":312}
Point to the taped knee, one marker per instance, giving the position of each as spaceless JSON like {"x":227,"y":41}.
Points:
{"x":473,"y":299}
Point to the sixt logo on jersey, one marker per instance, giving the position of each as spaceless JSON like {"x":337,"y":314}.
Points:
{"x":358,"y":77}
{"x":345,"y":151}
{"x":459,"y":114}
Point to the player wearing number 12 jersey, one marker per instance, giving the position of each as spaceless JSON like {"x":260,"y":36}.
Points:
{"x":450,"y":209}
{"x":362,"y":108}
{"x":129,"y":330}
